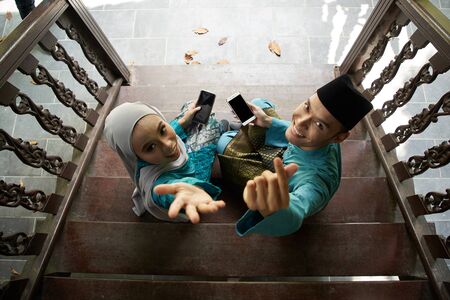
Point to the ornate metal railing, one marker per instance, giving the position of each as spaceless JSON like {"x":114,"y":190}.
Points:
{"x":15,"y":54}
{"x":386,"y":22}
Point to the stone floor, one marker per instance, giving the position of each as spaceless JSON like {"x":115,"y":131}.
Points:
{"x":159,"y":32}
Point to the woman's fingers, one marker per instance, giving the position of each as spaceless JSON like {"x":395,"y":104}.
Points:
{"x":163,"y":189}
{"x":191,"y":212}
{"x":175,"y":207}
{"x":210,"y":207}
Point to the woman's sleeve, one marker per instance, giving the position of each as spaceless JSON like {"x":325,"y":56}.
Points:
{"x":165,"y":201}
{"x":179,"y":130}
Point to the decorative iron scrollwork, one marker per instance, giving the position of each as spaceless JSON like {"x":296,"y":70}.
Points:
{"x":13,"y":195}
{"x":408,"y":51}
{"x":418,"y":123}
{"x":378,"y":50}
{"x":49,"y":122}
{"x":434,"y":157}
{"x":426,"y":74}
{"x":437,"y":202}
{"x":73,"y":34}
{"x":31,"y":154}
{"x":60,"y":54}
{"x":42,"y":76}
{"x":15,"y":244}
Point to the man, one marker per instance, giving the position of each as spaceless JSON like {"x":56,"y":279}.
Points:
{"x":279,"y":200}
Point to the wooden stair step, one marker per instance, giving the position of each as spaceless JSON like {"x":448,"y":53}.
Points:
{"x":357,"y":200}
{"x":169,"y":99}
{"x":358,"y":160}
{"x":84,"y":288}
{"x":216,"y":250}
{"x":233,"y":74}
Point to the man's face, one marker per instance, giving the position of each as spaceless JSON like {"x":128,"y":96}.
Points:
{"x":313,"y":126}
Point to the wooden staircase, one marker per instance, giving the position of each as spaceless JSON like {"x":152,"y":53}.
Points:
{"x":356,"y":248}
{"x":370,"y":242}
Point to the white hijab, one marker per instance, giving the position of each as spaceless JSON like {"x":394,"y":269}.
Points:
{"x":119,"y":126}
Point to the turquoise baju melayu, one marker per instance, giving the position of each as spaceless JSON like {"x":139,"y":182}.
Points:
{"x":310,"y":188}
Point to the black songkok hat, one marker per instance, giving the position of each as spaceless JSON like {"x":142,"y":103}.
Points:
{"x":344,"y":101}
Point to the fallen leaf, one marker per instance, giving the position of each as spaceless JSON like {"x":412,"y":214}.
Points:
{"x":223,"y":62}
{"x":33,"y":142}
{"x":14,"y":272}
{"x":188,"y":56}
{"x":8,"y":15}
{"x":200,"y":30}
{"x":194,"y":62}
{"x":275,"y":48}
{"x":33,"y":82}
{"x":191,"y":52}
{"x":222,"y":41}
{"x":21,"y":182}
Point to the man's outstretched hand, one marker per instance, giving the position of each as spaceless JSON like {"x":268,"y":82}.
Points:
{"x":269,"y":192}
{"x":193,"y":199}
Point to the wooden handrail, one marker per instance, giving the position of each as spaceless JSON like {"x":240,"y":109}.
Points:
{"x":435,"y":29}
{"x":19,"y":43}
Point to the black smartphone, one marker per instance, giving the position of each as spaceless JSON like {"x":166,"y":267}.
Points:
{"x":241,"y":109}
{"x":206,"y":102}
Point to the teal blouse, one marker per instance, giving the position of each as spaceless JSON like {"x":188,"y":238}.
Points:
{"x":310,"y":188}
{"x":196,"y":171}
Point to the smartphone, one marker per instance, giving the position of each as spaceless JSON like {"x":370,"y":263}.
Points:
{"x":206,"y":102}
{"x":241,"y":108}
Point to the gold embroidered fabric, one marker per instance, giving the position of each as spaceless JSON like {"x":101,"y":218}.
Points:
{"x":246,"y":156}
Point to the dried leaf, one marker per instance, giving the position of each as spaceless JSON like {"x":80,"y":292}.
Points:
{"x":194,"y":62}
{"x":200,"y":30}
{"x":21,"y":182}
{"x":33,"y":142}
{"x":222,"y":41}
{"x":8,"y":15}
{"x":275,"y":48}
{"x":33,"y":82}
{"x":187,"y":61}
{"x":14,"y":272}
{"x":191,"y":52}
{"x":223,"y":62}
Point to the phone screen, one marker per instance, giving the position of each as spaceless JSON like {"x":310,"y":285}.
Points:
{"x":241,"y":108}
{"x":206,"y":101}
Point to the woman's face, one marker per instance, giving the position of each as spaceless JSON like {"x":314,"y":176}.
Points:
{"x":154,"y":140}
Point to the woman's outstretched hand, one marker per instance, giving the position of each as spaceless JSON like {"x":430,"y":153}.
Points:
{"x":193,"y":199}
{"x":186,"y":120}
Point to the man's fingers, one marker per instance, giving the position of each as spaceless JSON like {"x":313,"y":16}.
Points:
{"x":250,"y":195}
{"x":282,"y":181}
{"x":192,"y":214}
{"x":270,"y":179}
{"x":290,"y":169}
{"x":163,"y":189}
{"x":175,"y":207}
{"x":261,"y":192}
{"x":274,"y":200}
